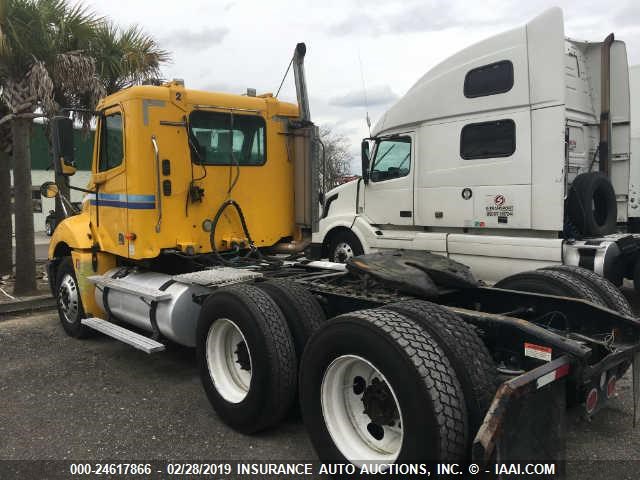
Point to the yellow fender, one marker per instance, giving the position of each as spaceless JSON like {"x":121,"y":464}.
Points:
{"x":73,"y":236}
{"x":73,"y":232}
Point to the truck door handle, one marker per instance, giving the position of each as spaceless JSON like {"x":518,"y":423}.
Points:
{"x":156,"y":154}
{"x":406,"y":213}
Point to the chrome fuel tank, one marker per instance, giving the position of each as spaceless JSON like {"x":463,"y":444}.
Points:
{"x":176,"y":317}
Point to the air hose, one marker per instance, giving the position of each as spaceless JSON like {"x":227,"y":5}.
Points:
{"x":254,"y":256}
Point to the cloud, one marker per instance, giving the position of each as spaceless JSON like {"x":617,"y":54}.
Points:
{"x":629,"y":15}
{"x":195,"y":40}
{"x":430,"y":16}
{"x":377,"y":95}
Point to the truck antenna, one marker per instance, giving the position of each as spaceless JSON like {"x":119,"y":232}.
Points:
{"x":284,"y":77}
{"x":364,"y":90}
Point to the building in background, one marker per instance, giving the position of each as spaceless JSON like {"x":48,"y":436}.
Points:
{"x":42,"y":170}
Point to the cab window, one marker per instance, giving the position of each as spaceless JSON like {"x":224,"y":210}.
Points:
{"x":111,"y":144}
{"x":392,"y":159}
{"x":227,"y":139}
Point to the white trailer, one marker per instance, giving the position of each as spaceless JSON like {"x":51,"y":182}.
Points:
{"x":479,"y":160}
{"x":634,"y":174}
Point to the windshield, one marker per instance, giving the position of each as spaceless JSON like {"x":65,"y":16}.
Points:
{"x":392,"y":159}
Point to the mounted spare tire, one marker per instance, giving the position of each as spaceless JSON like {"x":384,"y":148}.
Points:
{"x":592,"y":206}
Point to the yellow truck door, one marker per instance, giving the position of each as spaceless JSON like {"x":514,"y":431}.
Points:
{"x":110,"y":204}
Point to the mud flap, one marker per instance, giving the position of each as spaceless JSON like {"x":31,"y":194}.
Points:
{"x":534,"y":427}
{"x":526,"y":420}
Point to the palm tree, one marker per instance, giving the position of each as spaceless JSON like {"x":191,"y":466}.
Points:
{"x":6,"y":227}
{"x":43,"y":56}
{"x":125,"y":57}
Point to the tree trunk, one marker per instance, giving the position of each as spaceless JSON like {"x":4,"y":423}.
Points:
{"x":25,"y":241}
{"x":6,"y":228}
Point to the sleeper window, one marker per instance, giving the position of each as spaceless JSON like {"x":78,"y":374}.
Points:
{"x":488,"y":139}
{"x":489,"y":79}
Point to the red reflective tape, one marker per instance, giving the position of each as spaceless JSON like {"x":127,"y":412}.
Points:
{"x":552,"y":376}
{"x":562,"y":371}
{"x":537,"y":351}
{"x":540,"y":348}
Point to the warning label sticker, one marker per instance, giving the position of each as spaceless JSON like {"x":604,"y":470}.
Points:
{"x":537,"y":351}
{"x":497,"y":206}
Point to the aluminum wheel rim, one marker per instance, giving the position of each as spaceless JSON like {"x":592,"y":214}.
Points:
{"x":224,"y":342}
{"x":343,"y":412}
{"x":68,"y":299}
{"x":343,"y":252}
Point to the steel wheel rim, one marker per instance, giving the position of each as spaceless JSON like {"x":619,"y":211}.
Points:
{"x":68,"y":299}
{"x":344,"y":414}
{"x":343,"y":252}
{"x":226,"y":362}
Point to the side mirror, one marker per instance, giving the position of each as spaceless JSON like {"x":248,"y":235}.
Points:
{"x":62,"y":142}
{"x":364,"y":151}
{"x":49,"y":190}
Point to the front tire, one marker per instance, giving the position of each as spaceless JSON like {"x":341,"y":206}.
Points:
{"x":68,"y":300}
{"x":246,"y":358}
{"x":343,"y":246}
{"x":375,"y":387}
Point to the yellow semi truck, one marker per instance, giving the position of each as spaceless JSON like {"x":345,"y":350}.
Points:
{"x":197,"y":202}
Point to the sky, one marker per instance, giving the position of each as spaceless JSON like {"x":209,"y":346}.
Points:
{"x":377,"y":47}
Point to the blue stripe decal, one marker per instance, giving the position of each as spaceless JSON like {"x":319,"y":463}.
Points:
{"x":121,"y":200}
{"x":130,"y":205}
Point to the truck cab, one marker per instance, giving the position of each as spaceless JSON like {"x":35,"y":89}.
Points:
{"x":510,"y":155}
{"x":173,"y":182}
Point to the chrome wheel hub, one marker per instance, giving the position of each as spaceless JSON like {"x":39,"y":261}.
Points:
{"x":68,"y":299}
{"x":343,"y":252}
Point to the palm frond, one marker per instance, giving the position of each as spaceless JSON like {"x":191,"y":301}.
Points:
{"x":126,"y":57}
{"x":41,"y":87}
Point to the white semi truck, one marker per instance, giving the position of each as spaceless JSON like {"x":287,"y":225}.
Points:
{"x":511,"y":155}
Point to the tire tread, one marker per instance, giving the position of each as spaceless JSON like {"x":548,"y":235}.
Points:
{"x":432,"y":365}
{"x":611,"y":295}
{"x":465,"y":349}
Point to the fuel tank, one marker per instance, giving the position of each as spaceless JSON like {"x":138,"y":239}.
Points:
{"x":176,"y":317}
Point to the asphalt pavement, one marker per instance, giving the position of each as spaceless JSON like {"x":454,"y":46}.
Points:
{"x":98,"y":399}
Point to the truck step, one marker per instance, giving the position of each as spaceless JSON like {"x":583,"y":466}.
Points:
{"x":134,"y":339}
{"x":130,"y":287}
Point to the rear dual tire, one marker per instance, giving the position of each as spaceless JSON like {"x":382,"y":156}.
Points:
{"x":570,"y":281}
{"x":376,"y":387}
{"x":249,"y":341}
{"x":608,"y":292}
{"x":246,"y":358}
{"x":469,"y":357}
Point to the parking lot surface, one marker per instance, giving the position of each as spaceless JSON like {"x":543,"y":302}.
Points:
{"x":98,"y":399}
